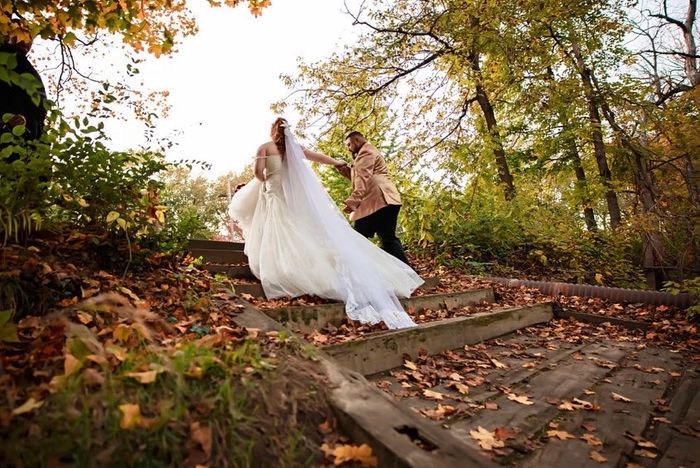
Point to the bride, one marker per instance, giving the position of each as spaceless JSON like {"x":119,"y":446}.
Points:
{"x":298,"y":242}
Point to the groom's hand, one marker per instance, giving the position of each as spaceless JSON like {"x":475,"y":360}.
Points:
{"x":344,"y":170}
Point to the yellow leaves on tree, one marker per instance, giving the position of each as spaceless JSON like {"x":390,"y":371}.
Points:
{"x":155,"y":26}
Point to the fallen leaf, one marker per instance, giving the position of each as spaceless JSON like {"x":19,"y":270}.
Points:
{"x":455,"y":376}
{"x":522,"y":399}
{"x":70,"y":364}
{"x":247,"y":297}
{"x":498,"y":364}
{"x":592,"y":440}
{"x":131,"y":415}
{"x":318,"y":338}
{"x":662,"y":420}
{"x":325,"y":427}
{"x":433,"y":395}
{"x":143,"y":377}
{"x":486,"y":439}
{"x":618,"y":397}
{"x":475,"y":381}
{"x":460,"y":387}
{"x":28,"y":406}
{"x":84,"y":317}
{"x":529,"y":365}
{"x":645,"y":454}
{"x":582,"y":404}
{"x":362,"y":454}
{"x":491,"y":406}
{"x":202,"y":435}
{"x":646,"y":444}
{"x":122,"y":333}
{"x":563,"y":435}
{"x":410,"y":365}
{"x":590,"y":427}
{"x":566,"y":406}
{"x":503,"y":433}
{"x":596,"y":456}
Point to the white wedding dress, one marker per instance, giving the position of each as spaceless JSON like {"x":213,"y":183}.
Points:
{"x":298,"y":242}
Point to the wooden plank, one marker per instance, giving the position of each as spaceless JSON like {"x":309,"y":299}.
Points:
{"x":214,"y":245}
{"x":254,"y":289}
{"x":307,"y":318}
{"x":232,"y":271}
{"x":615,"y":418}
{"x":593,"y":318}
{"x":232,"y":257}
{"x":565,"y":381}
{"x":398,"y":437}
{"x":382,"y":351}
{"x":679,"y":448}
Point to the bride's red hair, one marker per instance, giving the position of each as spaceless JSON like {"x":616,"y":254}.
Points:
{"x":277,"y":134}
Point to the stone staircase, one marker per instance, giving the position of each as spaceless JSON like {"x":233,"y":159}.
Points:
{"x":376,"y":401}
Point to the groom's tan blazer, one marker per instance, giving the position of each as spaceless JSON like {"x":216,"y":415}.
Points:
{"x":371,"y":187}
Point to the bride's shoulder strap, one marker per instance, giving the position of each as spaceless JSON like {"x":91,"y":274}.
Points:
{"x":262,"y":151}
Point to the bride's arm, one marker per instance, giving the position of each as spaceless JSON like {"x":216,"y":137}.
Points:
{"x":259,"y":168}
{"x":322,"y":158}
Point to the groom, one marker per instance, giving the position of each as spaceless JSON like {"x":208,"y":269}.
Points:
{"x":375,"y":202}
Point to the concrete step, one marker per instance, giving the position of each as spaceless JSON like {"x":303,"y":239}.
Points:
{"x":199,"y":244}
{"x":386,"y":350}
{"x":222,"y":257}
{"x":307,"y":318}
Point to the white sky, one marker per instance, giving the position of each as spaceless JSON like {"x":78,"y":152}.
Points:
{"x":223,"y":80}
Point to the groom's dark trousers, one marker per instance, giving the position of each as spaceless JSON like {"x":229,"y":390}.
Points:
{"x":383,"y":223}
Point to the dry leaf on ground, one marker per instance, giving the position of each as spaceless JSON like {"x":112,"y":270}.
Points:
{"x":618,"y":397}
{"x":131,"y":415}
{"x":596,"y":456}
{"x":592,"y":440}
{"x":562,"y":435}
{"x":487,"y":440}
{"x":522,"y":399}
{"x":143,"y":377}
{"x":346,"y":453}
{"x":432,"y":394}
{"x":28,"y":406}
{"x":645,"y":454}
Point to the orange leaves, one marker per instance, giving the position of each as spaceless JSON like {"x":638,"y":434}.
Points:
{"x":561,"y":435}
{"x":486,"y":439}
{"x":522,"y":399}
{"x":131,"y":415}
{"x":349,"y":453}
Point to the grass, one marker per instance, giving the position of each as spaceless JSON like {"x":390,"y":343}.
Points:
{"x":253,"y":401}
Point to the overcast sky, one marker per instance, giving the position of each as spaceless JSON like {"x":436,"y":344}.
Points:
{"x":223,"y":80}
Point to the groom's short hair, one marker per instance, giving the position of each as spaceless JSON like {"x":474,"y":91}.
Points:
{"x":354,"y":133}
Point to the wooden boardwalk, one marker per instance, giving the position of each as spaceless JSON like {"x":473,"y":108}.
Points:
{"x":558,"y":394}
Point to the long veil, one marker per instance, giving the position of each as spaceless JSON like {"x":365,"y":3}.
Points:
{"x":368,"y":294}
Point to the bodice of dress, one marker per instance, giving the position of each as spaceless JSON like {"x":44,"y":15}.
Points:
{"x":273,"y":174}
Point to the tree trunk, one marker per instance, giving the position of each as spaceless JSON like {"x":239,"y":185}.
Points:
{"x":588,"y":214}
{"x":491,"y":124}
{"x":597,"y":137}
{"x":495,"y":140}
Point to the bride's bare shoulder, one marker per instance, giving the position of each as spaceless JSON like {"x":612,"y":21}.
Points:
{"x":266,"y":149}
